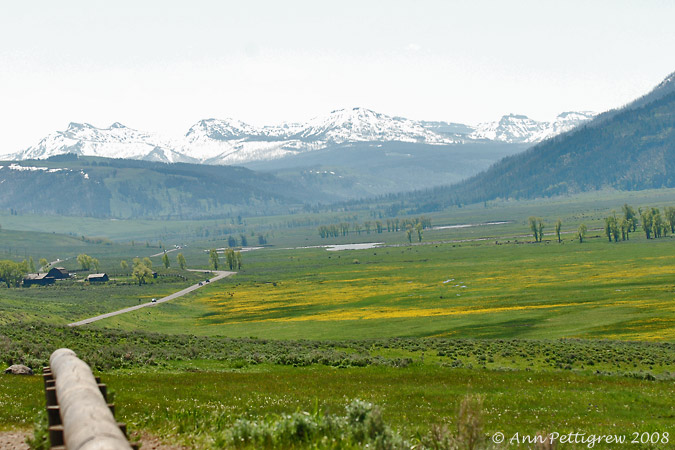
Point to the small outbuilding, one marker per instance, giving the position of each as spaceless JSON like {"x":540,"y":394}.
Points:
{"x":98,"y":278}
{"x":58,"y":273}
{"x":41,"y":279}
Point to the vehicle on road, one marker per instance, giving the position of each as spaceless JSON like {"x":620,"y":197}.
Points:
{"x":154,"y":300}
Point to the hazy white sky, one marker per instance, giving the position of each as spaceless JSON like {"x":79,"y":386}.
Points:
{"x":163,"y":65}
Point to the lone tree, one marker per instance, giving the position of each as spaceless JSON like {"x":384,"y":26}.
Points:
{"x":181,"y":261}
{"x":418,"y":228}
{"x":44,"y":264}
{"x":581,"y":233}
{"x":214,"y":259}
{"x":558,"y":227}
{"x":611,"y":228}
{"x":625,"y":227}
{"x":630,"y":215}
{"x":408,"y":232}
{"x":165,"y":261}
{"x":540,"y":227}
{"x":670,"y":218}
{"x":537,"y":227}
{"x":647,"y":223}
{"x":141,"y":272}
{"x":231,"y":258}
{"x":533,"y":227}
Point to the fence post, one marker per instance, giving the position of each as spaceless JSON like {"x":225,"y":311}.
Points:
{"x":85,"y":421}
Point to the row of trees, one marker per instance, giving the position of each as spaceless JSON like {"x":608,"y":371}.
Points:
{"x":618,"y":227}
{"x":652,"y":222}
{"x":232,"y":258}
{"x":243,"y":240}
{"x":377,"y":226}
{"x":655,"y":225}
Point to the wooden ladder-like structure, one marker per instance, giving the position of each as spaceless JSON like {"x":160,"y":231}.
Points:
{"x":79,"y":415}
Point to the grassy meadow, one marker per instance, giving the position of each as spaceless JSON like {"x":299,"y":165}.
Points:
{"x":473,"y":289}
{"x":553,"y":336}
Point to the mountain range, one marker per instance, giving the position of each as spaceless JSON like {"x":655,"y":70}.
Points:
{"x":233,"y":142}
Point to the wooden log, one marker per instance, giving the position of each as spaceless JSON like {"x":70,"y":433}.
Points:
{"x":87,"y":421}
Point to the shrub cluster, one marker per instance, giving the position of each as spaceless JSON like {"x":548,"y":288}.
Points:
{"x":32,"y":343}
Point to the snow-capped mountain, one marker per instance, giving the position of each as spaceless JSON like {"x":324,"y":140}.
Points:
{"x":116,"y":141}
{"x":231,"y":141}
{"x":364,"y":125}
{"x":514,"y":128}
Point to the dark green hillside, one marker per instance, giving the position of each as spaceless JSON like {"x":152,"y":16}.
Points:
{"x":366,"y":169}
{"x":632,"y":150}
{"x":100,"y":187}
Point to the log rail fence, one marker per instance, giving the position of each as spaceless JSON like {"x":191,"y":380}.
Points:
{"x":78,"y":412}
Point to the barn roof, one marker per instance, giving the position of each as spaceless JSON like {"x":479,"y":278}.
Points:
{"x":35,"y":276}
{"x":97,"y":275}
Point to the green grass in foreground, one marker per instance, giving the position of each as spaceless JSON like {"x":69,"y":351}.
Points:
{"x":199,"y":407}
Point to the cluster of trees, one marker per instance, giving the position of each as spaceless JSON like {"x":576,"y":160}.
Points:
{"x":616,"y":227}
{"x":652,"y":222}
{"x":11,"y":272}
{"x":378,"y":226}
{"x":537,"y":227}
{"x":87,"y":262}
{"x":410,"y":230}
{"x":232,"y":258}
{"x":655,"y":225}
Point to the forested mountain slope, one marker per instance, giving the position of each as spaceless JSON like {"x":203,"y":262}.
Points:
{"x":117,"y":188}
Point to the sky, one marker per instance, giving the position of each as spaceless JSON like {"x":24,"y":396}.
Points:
{"x":164,"y":65}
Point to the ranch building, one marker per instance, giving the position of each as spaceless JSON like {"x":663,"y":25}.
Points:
{"x":98,"y":278}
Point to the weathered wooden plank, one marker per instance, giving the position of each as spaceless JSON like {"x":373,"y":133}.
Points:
{"x":87,"y":421}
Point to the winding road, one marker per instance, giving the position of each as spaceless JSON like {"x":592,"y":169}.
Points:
{"x":220,"y":274}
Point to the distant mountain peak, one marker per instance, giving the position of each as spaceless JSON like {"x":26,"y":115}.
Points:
{"x":78,"y":126}
{"x":520,"y":129}
{"x":117,"y":125}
